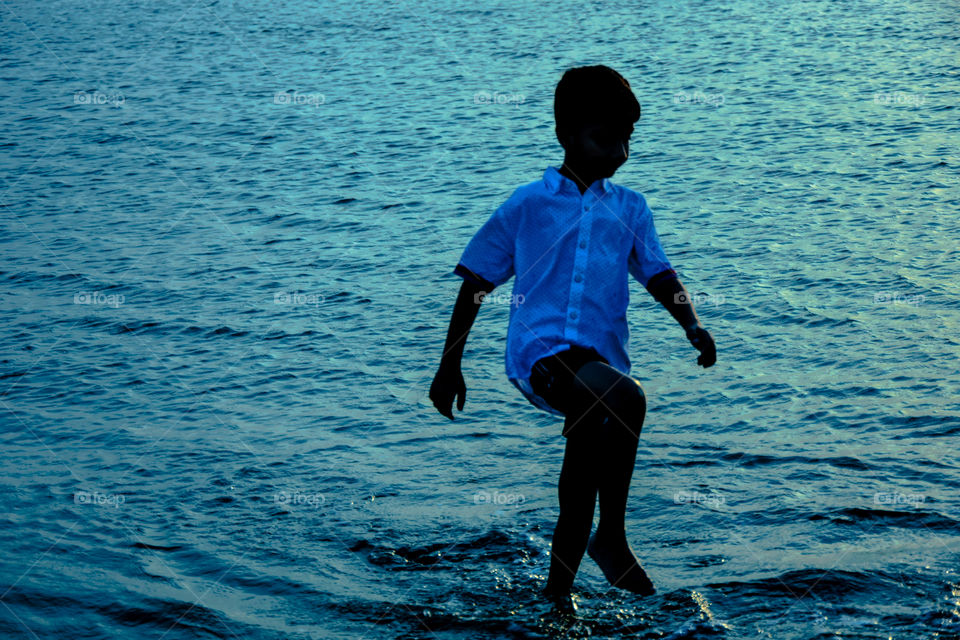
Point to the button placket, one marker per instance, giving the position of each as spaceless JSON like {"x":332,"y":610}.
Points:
{"x":579,"y":266}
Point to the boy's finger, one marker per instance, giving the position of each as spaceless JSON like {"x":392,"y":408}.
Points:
{"x":461,"y":398}
{"x":443,"y":412}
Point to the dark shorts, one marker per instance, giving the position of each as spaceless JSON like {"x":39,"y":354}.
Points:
{"x":552,"y":377}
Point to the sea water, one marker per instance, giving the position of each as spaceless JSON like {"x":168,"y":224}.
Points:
{"x":228,"y":231}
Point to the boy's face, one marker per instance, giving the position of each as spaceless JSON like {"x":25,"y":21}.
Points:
{"x":599,"y":147}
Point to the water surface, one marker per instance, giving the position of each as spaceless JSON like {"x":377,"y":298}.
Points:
{"x":227,"y":236}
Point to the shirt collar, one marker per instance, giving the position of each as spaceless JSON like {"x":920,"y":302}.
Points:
{"x":556,"y":181}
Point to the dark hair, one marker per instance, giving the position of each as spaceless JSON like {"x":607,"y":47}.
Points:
{"x":593,"y":93}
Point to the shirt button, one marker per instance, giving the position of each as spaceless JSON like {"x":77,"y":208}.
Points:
{"x":578,"y":278}
{"x":573,"y":314}
{"x":583,"y":244}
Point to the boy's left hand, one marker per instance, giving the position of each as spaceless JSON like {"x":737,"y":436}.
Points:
{"x":701,"y":339}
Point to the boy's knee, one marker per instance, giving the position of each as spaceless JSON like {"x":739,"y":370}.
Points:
{"x":628,"y":406}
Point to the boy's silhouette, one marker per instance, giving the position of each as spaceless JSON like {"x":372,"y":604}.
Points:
{"x":571,"y":239}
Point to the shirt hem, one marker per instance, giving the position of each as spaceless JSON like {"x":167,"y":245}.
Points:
{"x":523,"y":384}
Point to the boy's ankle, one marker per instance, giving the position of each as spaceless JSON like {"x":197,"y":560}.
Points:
{"x":611,"y":533}
{"x":553,"y":589}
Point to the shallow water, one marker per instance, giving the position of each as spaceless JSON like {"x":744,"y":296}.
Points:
{"x":227,"y":233}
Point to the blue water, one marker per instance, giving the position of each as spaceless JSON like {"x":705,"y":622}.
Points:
{"x":227,"y":236}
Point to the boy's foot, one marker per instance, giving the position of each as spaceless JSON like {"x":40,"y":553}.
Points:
{"x":614,"y":556}
{"x":561,"y":600}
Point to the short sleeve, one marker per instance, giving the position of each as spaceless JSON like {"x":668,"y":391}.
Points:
{"x":488,"y":258}
{"x":648,"y":264}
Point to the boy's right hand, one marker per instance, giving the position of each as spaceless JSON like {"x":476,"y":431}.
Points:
{"x":447,"y":385}
{"x":702,"y":341}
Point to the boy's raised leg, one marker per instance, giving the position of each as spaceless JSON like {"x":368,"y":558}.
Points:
{"x":609,"y":547}
{"x":617,"y":435}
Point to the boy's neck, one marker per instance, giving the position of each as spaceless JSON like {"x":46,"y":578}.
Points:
{"x":581,"y":177}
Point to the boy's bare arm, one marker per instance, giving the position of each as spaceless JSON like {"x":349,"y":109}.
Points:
{"x":464,"y":313}
{"x":674,"y":297}
{"x":671,"y":293}
{"x":448,"y":382}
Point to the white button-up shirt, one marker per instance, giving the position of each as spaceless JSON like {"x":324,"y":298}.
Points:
{"x":571,"y":255}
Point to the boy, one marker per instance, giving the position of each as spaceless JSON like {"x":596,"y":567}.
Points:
{"x":571,"y":239}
